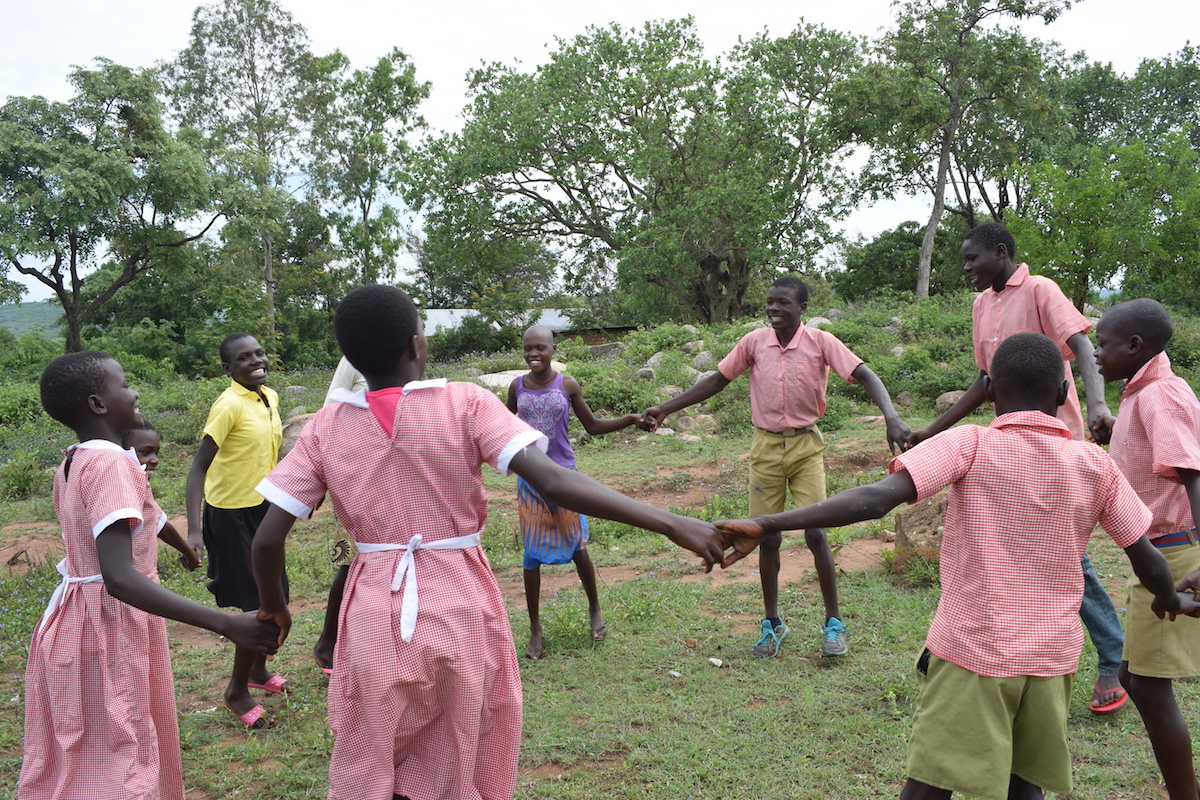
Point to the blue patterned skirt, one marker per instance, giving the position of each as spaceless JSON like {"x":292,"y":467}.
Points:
{"x":551,"y":534}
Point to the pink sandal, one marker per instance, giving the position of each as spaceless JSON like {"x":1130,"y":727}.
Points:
{"x":255,"y":719}
{"x":276,"y":685}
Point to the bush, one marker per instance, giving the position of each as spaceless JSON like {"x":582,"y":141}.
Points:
{"x":474,"y":335}
{"x":19,"y":403}
{"x":22,"y":476}
{"x":612,"y":386}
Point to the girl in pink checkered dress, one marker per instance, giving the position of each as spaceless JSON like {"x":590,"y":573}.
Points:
{"x":425,"y":697}
{"x":100,"y":717}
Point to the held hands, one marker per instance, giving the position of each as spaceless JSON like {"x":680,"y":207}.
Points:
{"x":915,"y":438}
{"x":1184,"y":603}
{"x":740,"y":534}
{"x":651,"y":418}
{"x":249,"y":631}
{"x":189,"y":557}
{"x":1102,"y":427}
{"x":898,"y":435}
{"x":698,"y":536}
{"x":279,"y":620}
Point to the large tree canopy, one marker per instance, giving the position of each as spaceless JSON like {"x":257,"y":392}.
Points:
{"x":651,"y":164}
{"x":95,"y":179}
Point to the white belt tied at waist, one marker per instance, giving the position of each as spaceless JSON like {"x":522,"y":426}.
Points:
{"x":407,"y":568}
{"x":61,"y":590}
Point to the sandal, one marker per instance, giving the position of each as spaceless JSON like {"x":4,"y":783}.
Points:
{"x":276,"y":685}
{"x":255,"y":719}
{"x":1111,"y":707}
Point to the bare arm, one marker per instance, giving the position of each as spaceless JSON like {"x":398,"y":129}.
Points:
{"x":187,"y":556}
{"x":1191,"y":482}
{"x":897,"y":431}
{"x":1098,"y":414}
{"x":970,"y":401}
{"x":580,"y":493}
{"x":1155,"y":574}
{"x":511,"y":402}
{"x":701,"y":390}
{"x":194,"y":491}
{"x":114,"y":547}
{"x":584,"y":412}
{"x":269,"y":557}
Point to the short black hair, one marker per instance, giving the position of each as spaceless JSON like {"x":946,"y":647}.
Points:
{"x":793,"y":283}
{"x":375,"y":326}
{"x":68,"y":381}
{"x":1027,"y":365}
{"x":227,"y":344}
{"x":127,"y":435}
{"x":1144,"y":316}
{"x":990,"y":234}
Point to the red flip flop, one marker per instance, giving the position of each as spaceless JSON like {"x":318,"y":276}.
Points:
{"x":276,"y":685}
{"x":1111,"y":707}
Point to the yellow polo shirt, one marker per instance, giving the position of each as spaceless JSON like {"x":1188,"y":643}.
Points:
{"x":248,"y":434}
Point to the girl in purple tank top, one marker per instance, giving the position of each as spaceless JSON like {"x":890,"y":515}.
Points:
{"x":551,"y":534}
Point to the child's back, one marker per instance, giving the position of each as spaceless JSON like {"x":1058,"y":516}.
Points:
{"x":95,"y":717}
{"x":424,"y":479}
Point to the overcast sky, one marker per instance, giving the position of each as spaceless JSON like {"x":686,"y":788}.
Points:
{"x":444,"y":39}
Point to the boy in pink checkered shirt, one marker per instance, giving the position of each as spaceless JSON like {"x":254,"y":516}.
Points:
{"x":995,"y":678}
{"x":1156,"y":444}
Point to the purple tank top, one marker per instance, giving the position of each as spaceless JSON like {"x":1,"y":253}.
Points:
{"x":546,"y":410}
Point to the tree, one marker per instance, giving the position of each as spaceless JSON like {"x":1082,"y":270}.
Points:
{"x":98,"y":177}
{"x":942,"y":74}
{"x":240,"y":83}
{"x":361,"y":122}
{"x":643,"y":158}
{"x":888,"y":263}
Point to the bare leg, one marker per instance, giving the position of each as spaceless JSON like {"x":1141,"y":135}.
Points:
{"x":323,"y":649}
{"x":587,"y":576}
{"x":768,"y":569}
{"x":915,"y":790}
{"x":533,"y":599}
{"x":1021,"y":789}
{"x":237,"y":696}
{"x":1167,"y":730}
{"x":822,"y":553}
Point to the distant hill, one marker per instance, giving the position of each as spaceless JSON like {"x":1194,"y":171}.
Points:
{"x":23,"y":317}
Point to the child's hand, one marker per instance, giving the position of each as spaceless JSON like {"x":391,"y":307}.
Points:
{"x":897,"y":435}
{"x":196,"y":543}
{"x":915,"y":438}
{"x":740,"y":534}
{"x":1188,"y":605}
{"x":651,"y":418}
{"x":248,"y":631}
{"x":1102,"y":428}
{"x":1190,"y":583}
{"x":280,"y":619}
{"x":189,"y":558}
{"x":698,"y":536}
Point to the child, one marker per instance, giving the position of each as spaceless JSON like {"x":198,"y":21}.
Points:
{"x":996,"y":674}
{"x":100,"y":718}
{"x":1010,"y":301}
{"x":239,"y":447}
{"x":554,"y":535}
{"x":424,"y":705}
{"x":145,"y":444}
{"x":789,"y":371}
{"x":1156,"y":444}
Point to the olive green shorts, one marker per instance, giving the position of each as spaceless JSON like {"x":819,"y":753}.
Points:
{"x":1159,"y":648}
{"x":971,"y":732}
{"x":782,"y":463}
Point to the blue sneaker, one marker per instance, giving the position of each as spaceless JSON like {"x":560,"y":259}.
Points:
{"x":772,"y":637}
{"x":833,"y":642}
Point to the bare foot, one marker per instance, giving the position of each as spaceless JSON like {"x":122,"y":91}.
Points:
{"x":599,"y":629}
{"x":536,"y":645}
{"x":1108,"y":696}
{"x":323,"y":657}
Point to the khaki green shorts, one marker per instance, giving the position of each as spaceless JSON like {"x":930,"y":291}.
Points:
{"x":1159,"y":648}
{"x":782,"y":463}
{"x":972,"y":732}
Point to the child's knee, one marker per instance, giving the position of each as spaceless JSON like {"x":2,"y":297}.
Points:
{"x":770,"y":541}
{"x":815,"y":537}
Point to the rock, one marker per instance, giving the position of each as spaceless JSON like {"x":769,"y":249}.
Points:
{"x":919,"y":530}
{"x":655,"y":360}
{"x":500,"y":380}
{"x":754,"y":324}
{"x":818,"y":322}
{"x":685,"y":423}
{"x":1090,"y":310}
{"x":671,"y":391}
{"x":706,"y":421}
{"x":295,"y":412}
{"x":661,"y":431}
{"x":291,"y":431}
{"x":704,"y":360}
{"x":293,"y":390}
{"x":887,"y":536}
{"x":472,"y":372}
{"x":906,"y":399}
{"x":606,"y":349}
{"x":702,"y":376}
{"x":646,"y":374}
{"x":947,"y":399}
{"x":894,"y":323}
{"x":692,"y":347}
{"x":690,"y":328}
{"x":687,"y":437}
{"x":897,"y":349}
{"x":835,"y":314}
{"x":869,"y":420}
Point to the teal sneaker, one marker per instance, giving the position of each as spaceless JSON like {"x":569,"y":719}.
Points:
{"x":833,"y":642}
{"x":768,"y":645}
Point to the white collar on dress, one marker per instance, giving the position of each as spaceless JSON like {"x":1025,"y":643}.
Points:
{"x":105,"y":444}
{"x":359,"y":398}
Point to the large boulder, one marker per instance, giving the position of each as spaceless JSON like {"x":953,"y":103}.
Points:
{"x":818,"y":322}
{"x":704,"y":360}
{"x":919,"y":530}
{"x":947,"y":399}
{"x":291,"y":431}
{"x":606,"y":349}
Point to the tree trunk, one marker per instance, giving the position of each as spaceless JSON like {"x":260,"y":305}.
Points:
{"x":720,"y":287}
{"x":269,"y":282}
{"x":939,"y":202}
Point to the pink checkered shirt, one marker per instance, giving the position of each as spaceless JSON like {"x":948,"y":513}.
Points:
{"x":1023,"y":501}
{"x":1030,"y":303}
{"x":1158,"y":433}
{"x":787,"y":384}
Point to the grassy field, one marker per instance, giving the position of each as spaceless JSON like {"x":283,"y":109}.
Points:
{"x":643,"y":715}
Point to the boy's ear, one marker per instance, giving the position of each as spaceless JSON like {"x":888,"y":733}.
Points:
{"x":1063,"y":391}
{"x":228,"y":370}
{"x":96,"y":405}
{"x":1136,"y":343}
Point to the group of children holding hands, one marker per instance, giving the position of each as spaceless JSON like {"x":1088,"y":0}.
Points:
{"x":425,"y":693}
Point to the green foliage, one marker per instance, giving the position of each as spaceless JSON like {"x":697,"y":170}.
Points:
{"x":21,"y":475}
{"x":473,"y":335}
{"x":888,"y":263}
{"x":19,"y":403}
{"x":19,"y":318}
{"x":612,"y":386}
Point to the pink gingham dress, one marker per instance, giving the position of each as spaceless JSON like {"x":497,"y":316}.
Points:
{"x":424,"y":704}
{"x":100,"y":717}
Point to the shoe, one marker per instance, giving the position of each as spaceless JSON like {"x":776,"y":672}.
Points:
{"x":255,"y":719}
{"x":276,"y":685}
{"x":834,"y":641}
{"x":1111,"y":707}
{"x":768,"y":645}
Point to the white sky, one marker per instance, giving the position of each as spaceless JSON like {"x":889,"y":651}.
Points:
{"x":445,"y":39}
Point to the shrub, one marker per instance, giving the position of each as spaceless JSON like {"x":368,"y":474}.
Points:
{"x":22,"y":475}
{"x":19,"y":403}
{"x":473,"y":335}
{"x":612,"y":386}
